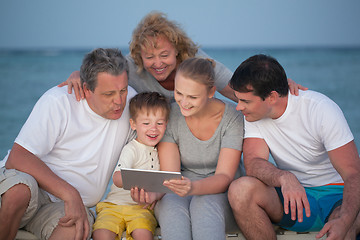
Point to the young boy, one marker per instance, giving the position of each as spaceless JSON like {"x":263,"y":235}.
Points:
{"x":149,"y":113}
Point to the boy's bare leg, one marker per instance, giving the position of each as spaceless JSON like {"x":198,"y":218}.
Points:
{"x":103,"y":234}
{"x":255,"y":205}
{"x":139,"y":234}
{"x":14,"y":203}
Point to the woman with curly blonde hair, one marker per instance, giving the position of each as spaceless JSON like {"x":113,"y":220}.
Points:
{"x":156,"y":25}
{"x":157,"y":48}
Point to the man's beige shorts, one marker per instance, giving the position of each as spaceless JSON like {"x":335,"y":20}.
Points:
{"x":42,"y":215}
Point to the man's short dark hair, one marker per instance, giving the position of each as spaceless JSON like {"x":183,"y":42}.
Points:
{"x":260,"y":74}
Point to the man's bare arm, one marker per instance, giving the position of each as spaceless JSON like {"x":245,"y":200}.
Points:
{"x":75,"y":213}
{"x":256,"y":161}
{"x":347,"y":162}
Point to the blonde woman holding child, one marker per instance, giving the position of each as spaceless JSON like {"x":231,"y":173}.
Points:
{"x":203,"y":141}
{"x":149,"y":113}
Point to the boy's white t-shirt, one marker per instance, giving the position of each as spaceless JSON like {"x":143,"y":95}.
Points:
{"x":134,"y":155}
{"x":77,"y":144}
{"x":299,"y":140}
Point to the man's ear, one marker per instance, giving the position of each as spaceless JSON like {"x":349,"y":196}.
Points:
{"x":86,"y":90}
{"x":273,"y":97}
{"x":132,"y":124}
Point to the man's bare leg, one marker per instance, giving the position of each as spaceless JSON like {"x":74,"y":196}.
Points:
{"x":14,"y":203}
{"x":60,"y":233}
{"x":355,"y":228}
{"x":255,"y":205}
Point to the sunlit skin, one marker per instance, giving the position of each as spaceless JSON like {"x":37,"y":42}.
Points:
{"x":160,"y":61}
{"x":191,"y":96}
{"x":109,"y":97}
{"x":150,"y":126}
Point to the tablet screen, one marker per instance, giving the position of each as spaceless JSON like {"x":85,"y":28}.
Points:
{"x":149,"y":180}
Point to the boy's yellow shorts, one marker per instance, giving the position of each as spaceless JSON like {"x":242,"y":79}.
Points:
{"x":117,"y":218}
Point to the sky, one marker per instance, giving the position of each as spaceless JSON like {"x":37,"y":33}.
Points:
{"x":71,"y":24}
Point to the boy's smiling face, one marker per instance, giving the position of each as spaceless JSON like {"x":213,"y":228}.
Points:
{"x":150,"y":126}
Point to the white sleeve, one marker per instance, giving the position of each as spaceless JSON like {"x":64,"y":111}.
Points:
{"x":333,"y":127}
{"x":44,"y":125}
{"x":251,"y":130}
{"x":127,"y":158}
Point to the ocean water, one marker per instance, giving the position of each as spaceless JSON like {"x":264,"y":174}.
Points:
{"x":26,"y":75}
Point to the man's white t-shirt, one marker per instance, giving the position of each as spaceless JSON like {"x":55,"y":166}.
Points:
{"x":300,"y":139}
{"x":77,"y":144}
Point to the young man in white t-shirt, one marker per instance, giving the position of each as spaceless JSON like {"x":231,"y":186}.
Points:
{"x":63,"y":157}
{"x":315,"y":184}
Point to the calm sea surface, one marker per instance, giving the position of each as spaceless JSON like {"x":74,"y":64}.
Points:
{"x":26,"y":75}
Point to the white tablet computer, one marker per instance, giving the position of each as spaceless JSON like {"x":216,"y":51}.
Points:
{"x":149,"y":180}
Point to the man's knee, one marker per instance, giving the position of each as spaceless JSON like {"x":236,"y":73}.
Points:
{"x":242,"y":189}
{"x":14,"y":203}
{"x":19,"y":193}
{"x":45,"y":223}
{"x":16,"y":198}
{"x":60,"y":232}
{"x":335,"y":213}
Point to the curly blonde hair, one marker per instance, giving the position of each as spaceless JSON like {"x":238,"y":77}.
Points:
{"x":155,"y":25}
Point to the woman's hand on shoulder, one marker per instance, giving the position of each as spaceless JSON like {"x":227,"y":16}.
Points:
{"x":294,"y":87}
{"x":74,"y":82}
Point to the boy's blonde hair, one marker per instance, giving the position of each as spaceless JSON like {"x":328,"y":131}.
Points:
{"x":148,"y":101}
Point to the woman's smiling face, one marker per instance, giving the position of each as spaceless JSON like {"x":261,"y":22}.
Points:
{"x":190,"y":95}
{"x":159,"y":59}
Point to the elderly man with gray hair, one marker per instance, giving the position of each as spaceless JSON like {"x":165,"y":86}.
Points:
{"x":64,"y":155}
